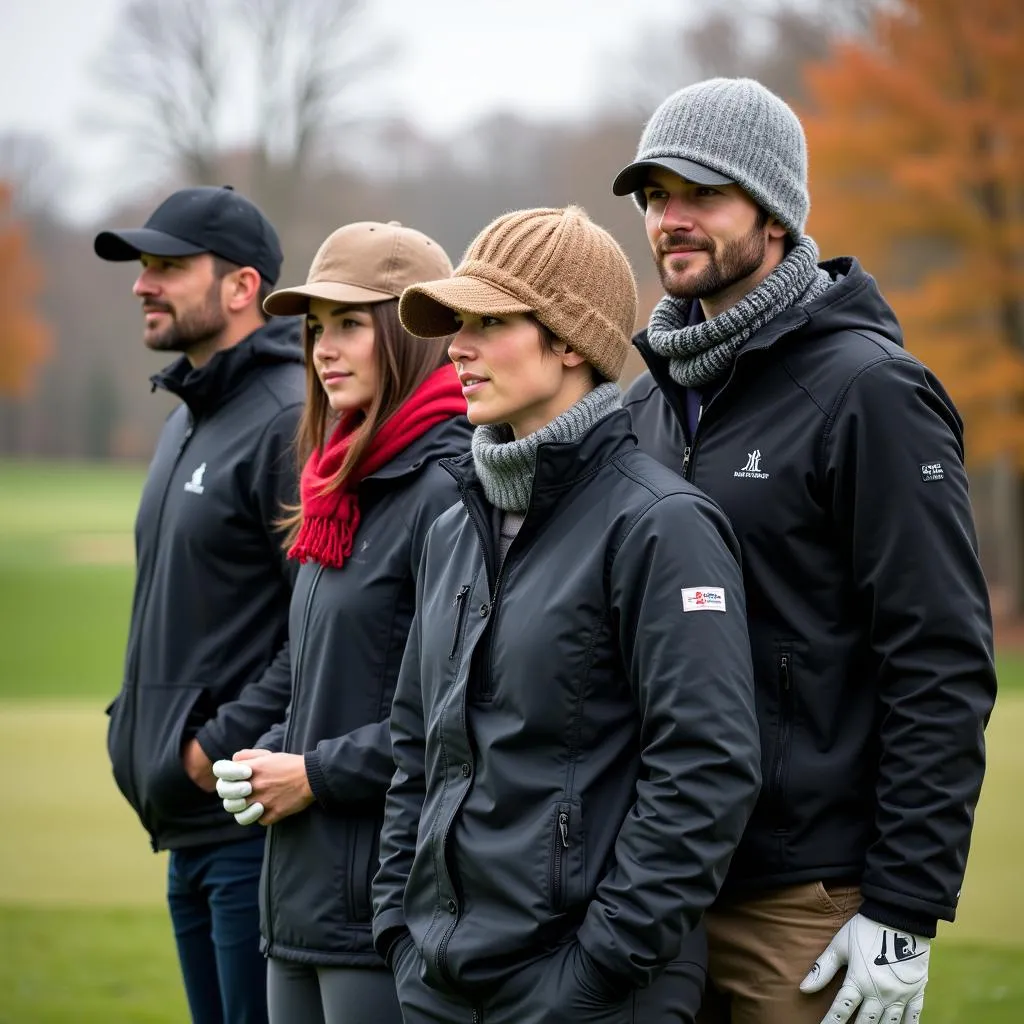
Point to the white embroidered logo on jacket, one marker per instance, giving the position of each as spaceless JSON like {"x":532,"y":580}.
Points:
{"x":195,"y":485}
{"x":752,"y":467}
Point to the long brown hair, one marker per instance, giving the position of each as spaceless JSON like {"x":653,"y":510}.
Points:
{"x":403,"y":364}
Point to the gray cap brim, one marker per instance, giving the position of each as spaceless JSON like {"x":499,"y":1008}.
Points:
{"x":121,"y":246}
{"x":634,"y":177}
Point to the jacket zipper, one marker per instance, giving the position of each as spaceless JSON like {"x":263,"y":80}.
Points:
{"x":142,"y":616}
{"x":785,"y":727}
{"x":561,"y":843}
{"x":441,"y":957}
{"x":460,"y":618}
{"x":484,"y":690}
{"x":296,"y":676}
{"x":485,"y":543}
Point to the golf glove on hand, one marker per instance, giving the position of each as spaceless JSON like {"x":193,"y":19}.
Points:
{"x":233,"y":788}
{"x":886,"y":972}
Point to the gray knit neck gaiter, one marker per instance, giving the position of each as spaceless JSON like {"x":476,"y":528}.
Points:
{"x":700,"y":353}
{"x":505,"y":467}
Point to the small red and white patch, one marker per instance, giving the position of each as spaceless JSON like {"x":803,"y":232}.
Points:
{"x":704,"y":599}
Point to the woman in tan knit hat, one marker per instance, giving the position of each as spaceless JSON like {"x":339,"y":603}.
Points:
{"x":381,"y":409}
{"x":576,"y":753}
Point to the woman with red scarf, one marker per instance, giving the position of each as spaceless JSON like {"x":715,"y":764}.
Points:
{"x":381,"y":409}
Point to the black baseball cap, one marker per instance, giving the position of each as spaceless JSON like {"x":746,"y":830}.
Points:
{"x":220,"y":221}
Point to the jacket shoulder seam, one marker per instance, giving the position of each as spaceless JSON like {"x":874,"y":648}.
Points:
{"x":650,"y":390}
{"x":657,"y":495}
{"x":278,"y":400}
{"x":841,"y":397}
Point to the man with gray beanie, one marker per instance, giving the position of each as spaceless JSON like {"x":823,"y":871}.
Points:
{"x":780,"y":386}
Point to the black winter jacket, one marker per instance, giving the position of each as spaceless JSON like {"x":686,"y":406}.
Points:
{"x":838,"y":458}
{"x":347,"y":632}
{"x":574,"y":734}
{"x":207,"y":653}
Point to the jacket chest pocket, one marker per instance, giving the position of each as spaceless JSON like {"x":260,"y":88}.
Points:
{"x":461,"y":601}
{"x":567,"y":867}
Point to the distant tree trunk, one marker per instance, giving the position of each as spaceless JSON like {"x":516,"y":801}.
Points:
{"x":101,"y":414}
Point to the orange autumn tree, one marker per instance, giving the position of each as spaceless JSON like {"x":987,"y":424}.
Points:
{"x":24,"y":336}
{"x":916,"y":139}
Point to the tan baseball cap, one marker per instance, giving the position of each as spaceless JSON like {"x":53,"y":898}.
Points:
{"x":363,"y":263}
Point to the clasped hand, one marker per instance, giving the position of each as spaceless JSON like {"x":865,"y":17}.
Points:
{"x":260,"y":786}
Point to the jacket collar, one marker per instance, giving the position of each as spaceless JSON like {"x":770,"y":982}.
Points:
{"x":447,"y":439}
{"x":210,"y":386}
{"x":853,"y":301}
{"x":561,"y":467}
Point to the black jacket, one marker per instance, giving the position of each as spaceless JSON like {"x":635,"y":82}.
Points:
{"x":207,"y":653}
{"x":576,"y":755}
{"x":347,"y":632}
{"x":838,"y":458}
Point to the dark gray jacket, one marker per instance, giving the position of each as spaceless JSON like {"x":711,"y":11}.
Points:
{"x":347,"y":632}
{"x":838,"y":458}
{"x":207,"y":652}
{"x":576,"y":752}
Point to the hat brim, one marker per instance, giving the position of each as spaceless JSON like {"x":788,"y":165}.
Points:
{"x":634,"y":177}
{"x":428,"y":310}
{"x":121,"y":246}
{"x":295,"y":301}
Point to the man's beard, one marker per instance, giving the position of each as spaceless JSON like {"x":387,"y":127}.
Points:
{"x":738,"y":259}
{"x":192,"y":329}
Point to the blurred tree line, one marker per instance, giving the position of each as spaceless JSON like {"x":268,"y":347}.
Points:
{"x":916,"y":131}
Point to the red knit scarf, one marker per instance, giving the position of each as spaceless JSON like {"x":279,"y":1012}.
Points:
{"x":330,"y":521}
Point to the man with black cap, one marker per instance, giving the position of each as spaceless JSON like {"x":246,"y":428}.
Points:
{"x":779,"y":385}
{"x":207,"y":669}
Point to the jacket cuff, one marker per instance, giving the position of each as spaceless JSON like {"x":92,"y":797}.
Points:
{"x":899,"y":917}
{"x":317,"y":782}
{"x":614,"y":985}
{"x":214,"y":750}
{"x":394,"y":946}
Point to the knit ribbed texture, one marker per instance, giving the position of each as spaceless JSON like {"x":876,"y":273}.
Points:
{"x":510,"y":526}
{"x":701,"y":353}
{"x":554,"y":263}
{"x":739,"y":128}
{"x":505,"y":467}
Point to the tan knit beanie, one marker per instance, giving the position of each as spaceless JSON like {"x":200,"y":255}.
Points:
{"x":554,"y":263}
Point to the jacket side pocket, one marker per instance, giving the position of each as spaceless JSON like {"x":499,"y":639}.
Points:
{"x":161,"y":721}
{"x":566,"y":878}
{"x":784,"y":742}
{"x":364,"y":846}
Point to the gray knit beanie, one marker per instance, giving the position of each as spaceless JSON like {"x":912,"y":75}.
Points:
{"x":728,"y":130}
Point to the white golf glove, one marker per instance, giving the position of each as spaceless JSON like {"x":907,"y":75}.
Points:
{"x":233,"y":788}
{"x":886,"y":972}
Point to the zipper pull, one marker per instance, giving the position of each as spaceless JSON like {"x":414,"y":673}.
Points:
{"x":563,"y":828}
{"x":686,"y":459}
{"x":784,"y":670}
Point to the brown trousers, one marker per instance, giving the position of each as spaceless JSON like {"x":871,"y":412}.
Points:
{"x":761,"y":948}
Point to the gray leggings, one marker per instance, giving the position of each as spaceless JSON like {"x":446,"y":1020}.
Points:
{"x":308,"y":994}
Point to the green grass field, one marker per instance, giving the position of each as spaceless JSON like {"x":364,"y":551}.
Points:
{"x":84,"y":936}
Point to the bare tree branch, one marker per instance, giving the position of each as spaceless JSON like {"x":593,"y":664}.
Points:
{"x":164,"y":75}
{"x":288,"y":74}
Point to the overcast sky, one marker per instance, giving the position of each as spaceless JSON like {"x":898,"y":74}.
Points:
{"x":461,"y":58}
